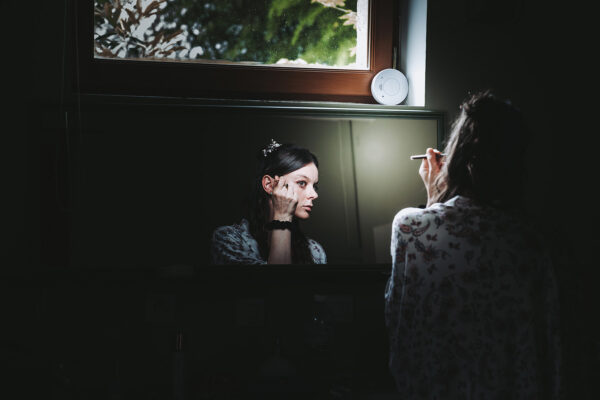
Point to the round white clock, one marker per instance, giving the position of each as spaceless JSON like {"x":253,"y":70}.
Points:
{"x":389,"y":87}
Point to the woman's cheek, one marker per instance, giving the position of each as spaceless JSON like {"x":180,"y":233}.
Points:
{"x":301,"y":212}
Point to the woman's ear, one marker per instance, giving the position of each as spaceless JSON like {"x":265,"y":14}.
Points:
{"x":268,"y":183}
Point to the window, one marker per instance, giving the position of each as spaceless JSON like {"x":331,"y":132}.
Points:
{"x":258,"y":49}
{"x":290,"y":33}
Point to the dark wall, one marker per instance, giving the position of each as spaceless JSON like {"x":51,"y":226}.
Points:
{"x":535,"y":55}
{"x":67,"y":331}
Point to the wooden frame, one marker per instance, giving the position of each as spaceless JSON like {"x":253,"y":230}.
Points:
{"x":187,"y":79}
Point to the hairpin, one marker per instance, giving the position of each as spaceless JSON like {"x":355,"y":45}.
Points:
{"x":271,"y":147}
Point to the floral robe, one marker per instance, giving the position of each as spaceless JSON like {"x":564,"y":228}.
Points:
{"x":471,"y":306}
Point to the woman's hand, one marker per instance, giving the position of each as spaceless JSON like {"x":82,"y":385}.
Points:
{"x":284,"y":200}
{"x":429,"y":170}
{"x":283,"y":206}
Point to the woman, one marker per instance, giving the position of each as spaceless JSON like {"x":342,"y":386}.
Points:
{"x":471,"y":305}
{"x":283,"y":193}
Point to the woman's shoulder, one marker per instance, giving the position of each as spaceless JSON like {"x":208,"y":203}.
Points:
{"x":317,"y":251}
{"x":407,"y":213}
{"x":233,"y":244}
{"x":413,"y":215}
{"x":412,"y":219}
{"x":448,"y":209}
{"x":234,"y":232}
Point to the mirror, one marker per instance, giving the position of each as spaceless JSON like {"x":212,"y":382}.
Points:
{"x":154,"y":182}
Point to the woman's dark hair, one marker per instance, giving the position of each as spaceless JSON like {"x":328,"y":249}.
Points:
{"x":485,"y":154}
{"x":278,"y":161}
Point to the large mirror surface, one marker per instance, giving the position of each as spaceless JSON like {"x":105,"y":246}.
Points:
{"x":152,"y":183}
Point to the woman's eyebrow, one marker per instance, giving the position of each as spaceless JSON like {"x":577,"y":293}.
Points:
{"x":305,"y":177}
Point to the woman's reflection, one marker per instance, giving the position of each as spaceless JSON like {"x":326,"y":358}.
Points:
{"x":283,"y":193}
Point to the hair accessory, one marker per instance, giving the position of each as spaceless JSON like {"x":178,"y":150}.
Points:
{"x":275,"y":224}
{"x":271,"y":147}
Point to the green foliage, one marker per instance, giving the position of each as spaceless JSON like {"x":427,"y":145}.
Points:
{"x":115,"y":30}
{"x":263,"y":31}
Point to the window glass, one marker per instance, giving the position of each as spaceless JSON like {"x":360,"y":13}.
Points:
{"x":303,"y":33}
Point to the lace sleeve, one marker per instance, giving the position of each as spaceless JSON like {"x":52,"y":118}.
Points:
{"x":230,"y":246}
{"x":317,"y":252}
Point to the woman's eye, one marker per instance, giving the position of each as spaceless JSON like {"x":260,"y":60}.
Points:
{"x":316,"y":188}
{"x":302,"y":184}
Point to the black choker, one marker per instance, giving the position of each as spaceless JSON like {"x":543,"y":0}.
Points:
{"x":275,"y":224}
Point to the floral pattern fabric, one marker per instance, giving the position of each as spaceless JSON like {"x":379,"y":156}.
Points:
{"x":234,"y":244}
{"x":471,"y":306}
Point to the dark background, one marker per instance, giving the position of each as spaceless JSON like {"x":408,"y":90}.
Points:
{"x":69,"y":332}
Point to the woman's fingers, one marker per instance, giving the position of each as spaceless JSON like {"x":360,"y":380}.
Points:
{"x":424,"y":169}
{"x":284,"y":199}
{"x":283,"y":189}
{"x":425,"y":163}
{"x":430,"y":166}
{"x":430,"y":155}
{"x":293,"y":193}
{"x":434,"y":159}
{"x":284,"y":185}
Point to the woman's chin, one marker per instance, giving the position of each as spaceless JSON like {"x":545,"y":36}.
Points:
{"x":302,"y":214}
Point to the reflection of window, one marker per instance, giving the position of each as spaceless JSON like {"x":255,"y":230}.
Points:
{"x":263,"y":49}
{"x":304,"y":33}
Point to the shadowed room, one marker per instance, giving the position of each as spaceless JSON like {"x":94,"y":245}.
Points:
{"x":124,"y":157}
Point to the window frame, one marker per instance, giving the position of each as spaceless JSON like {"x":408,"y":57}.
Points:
{"x":189,"y":79}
